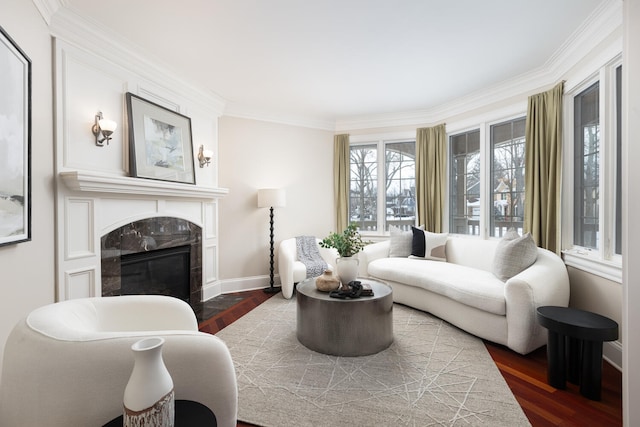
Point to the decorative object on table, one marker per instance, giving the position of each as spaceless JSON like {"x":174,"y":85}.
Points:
{"x":160,"y":145}
{"x":348,"y":243}
{"x":327,"y":282}
{"x":149,"y":395}
{"x":271,"y":198}
{"x":15,"y":134}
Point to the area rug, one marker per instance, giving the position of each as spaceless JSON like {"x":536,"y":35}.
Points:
{"x":432,"y":375}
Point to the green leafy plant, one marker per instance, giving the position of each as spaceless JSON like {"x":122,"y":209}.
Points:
{"x":348,"y":243}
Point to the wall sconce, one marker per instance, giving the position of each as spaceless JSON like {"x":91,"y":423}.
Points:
{"x":204,"y":156}
{"x":104,"y":126}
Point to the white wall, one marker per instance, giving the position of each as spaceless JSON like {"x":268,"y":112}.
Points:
{"x":28,"y":268}
{"x":630,"y":209}
{"x":256,"y":154}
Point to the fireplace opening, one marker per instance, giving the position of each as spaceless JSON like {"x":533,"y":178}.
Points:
{"x":158,"y":272}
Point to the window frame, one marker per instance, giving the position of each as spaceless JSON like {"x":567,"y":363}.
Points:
{"x":602,"y":261}
{"x":380,"y":140}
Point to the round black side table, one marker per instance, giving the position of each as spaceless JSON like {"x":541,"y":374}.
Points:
{"x":188,"y":414}
{"x":574,"y":347}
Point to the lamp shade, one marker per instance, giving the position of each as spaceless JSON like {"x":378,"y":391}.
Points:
{"x":271,"y":198}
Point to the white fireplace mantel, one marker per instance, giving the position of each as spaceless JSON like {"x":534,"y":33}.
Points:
{"x":101,"y":183}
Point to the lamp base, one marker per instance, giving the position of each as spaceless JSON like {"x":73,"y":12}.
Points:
{"x":272,"y":289}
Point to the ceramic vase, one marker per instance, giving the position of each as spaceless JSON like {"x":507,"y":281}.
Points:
{"x":327,"y":282}
{"x":347,"y":268}
{"x":149,"y":396}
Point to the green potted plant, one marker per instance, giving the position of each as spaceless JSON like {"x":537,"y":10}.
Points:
{"x":348,"y":243}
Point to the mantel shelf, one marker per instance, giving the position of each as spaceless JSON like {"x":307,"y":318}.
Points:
{"x":99,"y":183}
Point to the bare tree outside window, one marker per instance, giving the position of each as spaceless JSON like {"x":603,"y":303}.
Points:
{"x":507,"y":177}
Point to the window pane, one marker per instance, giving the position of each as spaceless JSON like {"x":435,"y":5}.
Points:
{"x":363,"y":199}
{"x":400,"y":191}
{"x":464,"y":191}
{"x":586,"y":167}
{"x":618,"y":230}
{"x":507,"y":176}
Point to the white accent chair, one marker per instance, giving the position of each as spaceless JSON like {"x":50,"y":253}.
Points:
{"x":67,"y":364}
{"x":293,"y":271}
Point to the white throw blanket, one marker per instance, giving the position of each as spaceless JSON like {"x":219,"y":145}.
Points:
{"x":308,"y":254}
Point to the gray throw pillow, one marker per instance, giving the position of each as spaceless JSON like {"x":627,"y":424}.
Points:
{"x":400,"y":242}
{"x":513,"y":254}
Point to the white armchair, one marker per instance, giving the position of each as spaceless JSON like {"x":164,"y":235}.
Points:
{"x":293,"y":271}
{"x":67,"y":364}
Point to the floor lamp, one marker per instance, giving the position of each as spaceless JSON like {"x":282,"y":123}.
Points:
{"x":271,"y":198}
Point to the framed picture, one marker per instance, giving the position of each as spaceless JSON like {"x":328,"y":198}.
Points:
{"x":15,"y":142}
{"x":160,"y":145}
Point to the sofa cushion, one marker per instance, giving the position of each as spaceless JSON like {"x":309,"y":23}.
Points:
{"x":513,"y":254}
{"x":400,"y":242}
{"x":427,"y":245}
{"x":470,"y":286}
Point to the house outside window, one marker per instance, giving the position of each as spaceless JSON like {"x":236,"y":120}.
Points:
{"x":377,"y":200}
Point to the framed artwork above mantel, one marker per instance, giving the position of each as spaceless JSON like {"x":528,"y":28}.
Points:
{"x":160,"y":142}
{"x":15,"y":142}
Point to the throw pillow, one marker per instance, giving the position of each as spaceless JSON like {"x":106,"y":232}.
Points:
{"x":427,"y":245}
{"x":514,"y":254}
{"x":400,"y":242}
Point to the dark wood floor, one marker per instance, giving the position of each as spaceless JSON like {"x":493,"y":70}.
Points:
{"x":526,"y":376}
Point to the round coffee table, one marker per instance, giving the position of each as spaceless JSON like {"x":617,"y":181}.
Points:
{"x":344,"y":327}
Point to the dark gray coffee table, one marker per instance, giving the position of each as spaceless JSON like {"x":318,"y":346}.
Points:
{"x":344,"y":327}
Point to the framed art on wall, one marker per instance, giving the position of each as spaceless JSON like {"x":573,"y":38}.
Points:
{"x":160,"y":144}
{"x":15,"y":142}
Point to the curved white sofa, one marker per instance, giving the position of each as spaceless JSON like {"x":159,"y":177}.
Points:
{"x":291,"y":270}
{"x":67,"y":364}
{"x":464,"y":292}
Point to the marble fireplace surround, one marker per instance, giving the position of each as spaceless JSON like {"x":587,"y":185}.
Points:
{"x":148,"y":236}
{"x":97,"y":208}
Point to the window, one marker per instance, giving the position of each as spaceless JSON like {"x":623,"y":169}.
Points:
{"x":507,"y":177}
{"x":464,"y":183}
{"x":379,"y":200}
{"x":592,"y":220}
{"x":586,"y":176}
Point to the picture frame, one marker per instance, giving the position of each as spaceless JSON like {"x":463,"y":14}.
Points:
{"x":160,"y":142}
{"x":15,"y":142}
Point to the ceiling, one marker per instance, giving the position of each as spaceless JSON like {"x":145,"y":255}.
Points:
{"x":331,"y":60}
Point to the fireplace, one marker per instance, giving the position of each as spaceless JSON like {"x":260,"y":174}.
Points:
{"x":160,"y":255}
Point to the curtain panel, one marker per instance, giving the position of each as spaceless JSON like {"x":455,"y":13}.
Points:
{"x":543,"y":171}
{"x":431,"y":167}
{"x":341,"y":162}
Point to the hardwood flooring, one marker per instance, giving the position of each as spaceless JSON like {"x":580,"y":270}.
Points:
{"x":525,"y":375}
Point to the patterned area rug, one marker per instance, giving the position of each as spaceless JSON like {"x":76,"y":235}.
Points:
{"x":432,"y":375}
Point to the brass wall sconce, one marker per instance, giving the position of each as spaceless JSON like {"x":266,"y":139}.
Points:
{"x":204,"y":156}
{"x":104,"y":127}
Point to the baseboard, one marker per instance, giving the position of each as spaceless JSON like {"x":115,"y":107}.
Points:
{"x":612,"y":353}
{"x":237,"y":285}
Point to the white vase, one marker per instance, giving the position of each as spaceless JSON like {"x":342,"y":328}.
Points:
{"x":149,"y":396}
{"x":347,"y":269}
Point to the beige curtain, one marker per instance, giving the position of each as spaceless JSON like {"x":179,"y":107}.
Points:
{"x":341,"y":180}
{"x":543,"y":170}
{"x":431,"y":167}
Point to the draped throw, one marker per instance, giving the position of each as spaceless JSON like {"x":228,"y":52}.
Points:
{"x":431,"y":167}
{"x":341,"y":169}
{"x":543,"y":171}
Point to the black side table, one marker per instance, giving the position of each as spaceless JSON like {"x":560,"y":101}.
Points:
{"x":574,"y":347}
{"x":188,"y":414}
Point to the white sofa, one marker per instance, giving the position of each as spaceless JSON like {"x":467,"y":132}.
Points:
{"x":67,"y":364}
{"x":291,"y":270}
{"x":464,"y":292}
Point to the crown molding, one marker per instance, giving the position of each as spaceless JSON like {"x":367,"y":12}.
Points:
{"x":244,"y":112}
{"x":86,"y":34}
{"x":48,"y":8}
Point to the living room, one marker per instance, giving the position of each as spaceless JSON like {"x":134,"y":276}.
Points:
{"x":85,"y":69}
